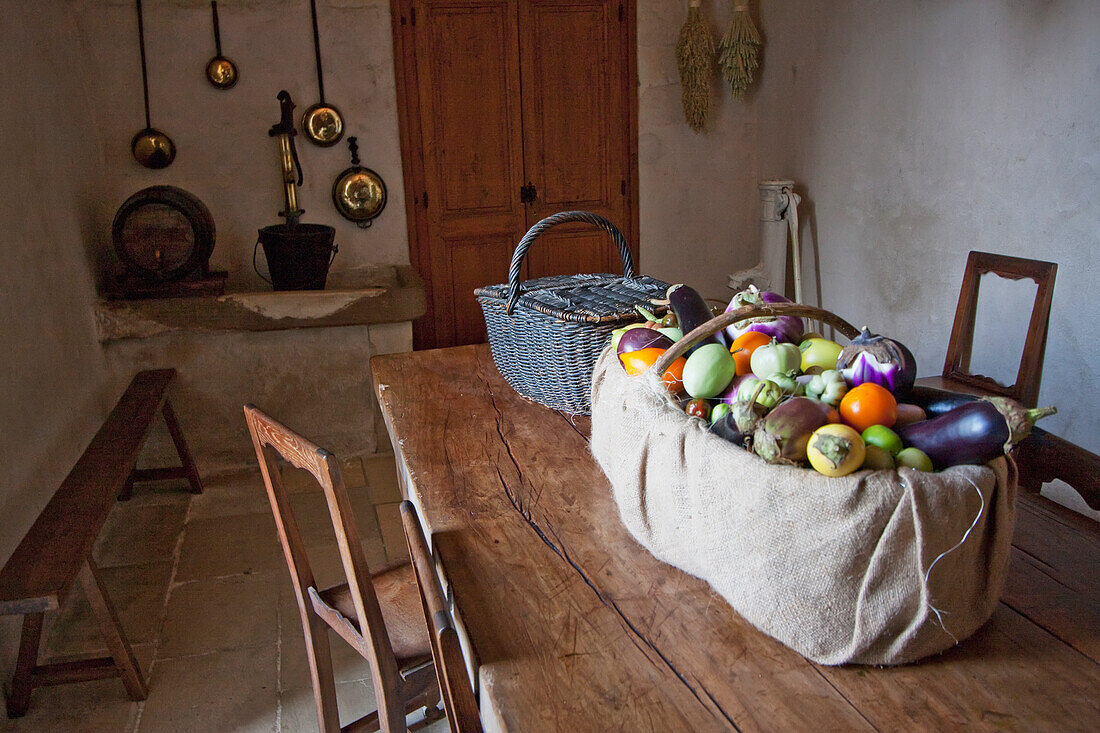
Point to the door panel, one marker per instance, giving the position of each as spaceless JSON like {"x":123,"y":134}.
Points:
{"x":574,"y":125}
{"x":470,"y":122}
{"x":474,"y":263}
{"x":496,"y":93}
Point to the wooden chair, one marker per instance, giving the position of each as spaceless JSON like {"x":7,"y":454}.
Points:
{"x":450,"y":667}
{"x":956,"y":375}
{"x":375,"y":614}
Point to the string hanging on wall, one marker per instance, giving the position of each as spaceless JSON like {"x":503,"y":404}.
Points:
{"x":739,"y":49}
{"x":695,"y":52}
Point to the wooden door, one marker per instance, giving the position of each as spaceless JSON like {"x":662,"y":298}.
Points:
{"x":576,"y":141}
{"x":494,"y":94}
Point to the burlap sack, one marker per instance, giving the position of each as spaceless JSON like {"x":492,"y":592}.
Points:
{"x":879,"y":567}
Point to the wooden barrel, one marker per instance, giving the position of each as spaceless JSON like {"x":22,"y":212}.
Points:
{"x":163,"y":233}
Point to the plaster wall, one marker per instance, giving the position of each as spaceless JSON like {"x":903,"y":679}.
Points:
{"x":919,"y":131}
{"x":55,"y":382}
{"x":698,"y":196}
{"x":224,"y":154}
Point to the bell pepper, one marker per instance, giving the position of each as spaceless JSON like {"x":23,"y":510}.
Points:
{"x":829,"y":387}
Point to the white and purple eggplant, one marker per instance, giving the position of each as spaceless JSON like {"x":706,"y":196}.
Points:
{"x":973,"y":433}
{"x":784,"y":329}
{"x":883,"y":361}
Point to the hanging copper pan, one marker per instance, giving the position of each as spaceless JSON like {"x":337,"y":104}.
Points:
{"x":221,"y":72}
{"x":322,"y":123}
{"x":358,"y":193}
{"x":150,"y":147}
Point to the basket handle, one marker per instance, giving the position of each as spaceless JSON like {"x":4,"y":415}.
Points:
{"x":563,"y":217}
{"x":717,"y":323}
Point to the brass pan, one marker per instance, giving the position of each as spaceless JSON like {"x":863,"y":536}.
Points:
{"x":358,"y":193}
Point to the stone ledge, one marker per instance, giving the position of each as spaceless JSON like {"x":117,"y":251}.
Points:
{"x":379,"y":295}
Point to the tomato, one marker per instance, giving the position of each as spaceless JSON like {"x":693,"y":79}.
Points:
{"x":699,"y":408}
{"x":742,"y":348}
{"x":835,"y":450}
{"x":867,"y":405}
{"x":674,"y":376}
{"x":638,"y":362}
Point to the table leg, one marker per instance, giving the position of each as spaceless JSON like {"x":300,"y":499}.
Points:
{"x":23,"y":680}
{"x":111,"y":631}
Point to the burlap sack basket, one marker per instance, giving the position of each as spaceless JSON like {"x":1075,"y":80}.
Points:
{"x":877,"y":567}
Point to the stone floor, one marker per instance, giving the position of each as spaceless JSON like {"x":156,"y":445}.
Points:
{"x":203,"y":593}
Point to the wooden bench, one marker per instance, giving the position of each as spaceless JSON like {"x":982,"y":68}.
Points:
{"x":57,"y":550}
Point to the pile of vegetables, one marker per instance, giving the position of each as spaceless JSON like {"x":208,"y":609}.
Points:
{"x":797,"y":398}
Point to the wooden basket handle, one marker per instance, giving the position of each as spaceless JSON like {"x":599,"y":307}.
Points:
{"x":717,"y":323}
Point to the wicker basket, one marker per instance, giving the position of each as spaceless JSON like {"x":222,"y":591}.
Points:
{"x":546,"y":333}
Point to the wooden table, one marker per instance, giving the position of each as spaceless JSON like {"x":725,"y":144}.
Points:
{"x":575,"y":627}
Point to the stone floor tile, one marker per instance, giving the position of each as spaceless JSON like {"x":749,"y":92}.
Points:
{"x":234,"y":545}
{"x":352,"y":471}
{"x":101,"y":706}
{"x":393,"y":531}
{"x":298,"y":712}
{"x":315,"y":523}
{"x":138,"y":594}
{"x":347,"y":664}
{"x":225,"y":691}
{"x":140,"y":533}
{"x":381,"y":471}
{"x":225,"y":495}
{"x":220,"y":614}
{"x":169,"y":491}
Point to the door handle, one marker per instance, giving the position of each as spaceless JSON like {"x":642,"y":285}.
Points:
{"x":528,"y":193}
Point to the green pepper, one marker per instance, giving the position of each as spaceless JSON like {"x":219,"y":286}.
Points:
{"x":769,"y":394}
{"x":788,"y":384}
{"x":775,"y":358}
{"x":829,"y":387}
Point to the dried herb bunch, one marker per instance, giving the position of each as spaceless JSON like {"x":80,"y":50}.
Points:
{"x":739,"y":49}
{"x":695,"y":52}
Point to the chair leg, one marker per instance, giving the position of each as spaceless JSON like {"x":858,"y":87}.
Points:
{"x":23,"y":680}
{"x":111,"y":631}
{"x":181,"y":448}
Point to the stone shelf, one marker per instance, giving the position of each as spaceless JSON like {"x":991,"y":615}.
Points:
{"x":379,"y":295}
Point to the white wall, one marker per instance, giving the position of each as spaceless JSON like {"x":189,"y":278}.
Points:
{"x":922,"y":130}
{"x":54,"y":387}
{"x":225,"y":156}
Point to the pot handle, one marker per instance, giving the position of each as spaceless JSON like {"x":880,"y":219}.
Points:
{"x":717,"y":323}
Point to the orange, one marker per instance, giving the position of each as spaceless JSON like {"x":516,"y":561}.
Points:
{"x":867,"y":405}
{"x":742,"y":348}
{"x":640,"y":361}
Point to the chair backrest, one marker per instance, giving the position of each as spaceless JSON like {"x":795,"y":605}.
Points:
{"x":957,"y":364}
{"x":450,"y":666}
{"x":271,"y":440}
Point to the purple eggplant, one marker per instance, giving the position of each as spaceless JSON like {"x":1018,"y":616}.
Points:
{"x":783,"y":435}
{"x":642,"y":338}
{"x":691,"y":311}
{"x":974,"y":432}
{"x":739,"y":424}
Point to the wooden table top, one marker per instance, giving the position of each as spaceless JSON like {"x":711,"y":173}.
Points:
{"x":577,"y":627}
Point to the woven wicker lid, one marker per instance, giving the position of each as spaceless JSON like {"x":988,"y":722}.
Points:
{"x":585,"y":298}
